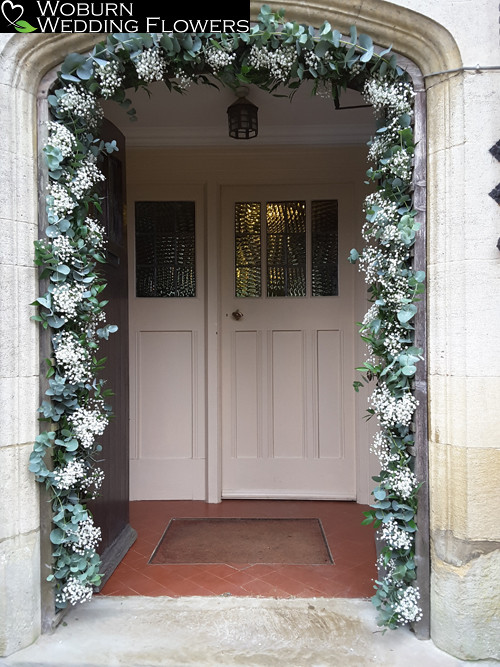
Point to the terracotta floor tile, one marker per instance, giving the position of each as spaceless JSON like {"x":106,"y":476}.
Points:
{"x":351,"y":544}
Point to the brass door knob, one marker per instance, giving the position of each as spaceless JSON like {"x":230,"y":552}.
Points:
{"x":237,"y":315}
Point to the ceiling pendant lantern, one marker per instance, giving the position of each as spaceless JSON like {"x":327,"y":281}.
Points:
{"x":242,"y":117}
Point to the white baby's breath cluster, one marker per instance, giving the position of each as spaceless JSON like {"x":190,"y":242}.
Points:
{"x":109,"y":77}
{"x":403,"y":481}
{"x":151,"y":65}
{"x":371,"y":314}
{"x":383,"y":265}
{"x":82,"y":104}
{"x":394,"y":97}
{"x":278,"y":61}
{"x":392,"y":411}
{"x":88,"y":422}
{"x":399,"y":165}
{"x":95,"y":233}
{"x":388,"y":568}
{"x":63,"y":249}
{"x":395,"y":535}
{"x":381,"y":447}
{"x":59,"y":200}
{"x":183,"y":80}
{"x":408,"y":608}
{"x":62,"y":138}
{"x":218,"y":58}
{"x":72,"y":356}
{"x":396,"y":338}
{"x":88,"y":537}
{"x":94,"y":478}
{"x":87,"y":175}
{"x":66,"y":298}
{"x":69,"y":475}
{"x":382,"y":214}
{"x":74,"y":591}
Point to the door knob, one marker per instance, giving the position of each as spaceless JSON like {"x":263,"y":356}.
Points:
{"x":237,"y":315}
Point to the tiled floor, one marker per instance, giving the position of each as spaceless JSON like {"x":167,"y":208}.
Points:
{"x":352,"y":547}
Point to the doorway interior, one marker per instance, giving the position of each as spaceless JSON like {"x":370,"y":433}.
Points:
{"x":227,"y":408}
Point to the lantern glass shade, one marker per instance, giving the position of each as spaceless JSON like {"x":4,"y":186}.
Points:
{"x":242,"y":119}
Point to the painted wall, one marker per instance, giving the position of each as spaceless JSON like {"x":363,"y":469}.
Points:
{"x":464,"y":282}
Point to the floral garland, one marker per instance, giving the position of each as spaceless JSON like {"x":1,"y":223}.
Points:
{"x":274,"y":53}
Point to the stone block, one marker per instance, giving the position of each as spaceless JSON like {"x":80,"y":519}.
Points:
{"x":465,"y":617}
{"x":19,"y":592}
{"x":29,"y":402}
{"x":464,"y":492}
{"x":19,"y":499}
{"x":9,"y":396}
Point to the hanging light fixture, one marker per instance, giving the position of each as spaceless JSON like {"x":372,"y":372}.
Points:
{"x":242,"y":117}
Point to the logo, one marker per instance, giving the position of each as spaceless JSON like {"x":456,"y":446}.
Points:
{"x":12,"y":14}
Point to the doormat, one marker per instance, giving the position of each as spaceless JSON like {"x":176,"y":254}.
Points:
{"x":288,"y":541}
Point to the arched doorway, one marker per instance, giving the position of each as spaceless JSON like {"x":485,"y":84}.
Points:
{"x":65,"y":101}
{"x":51,"y":50}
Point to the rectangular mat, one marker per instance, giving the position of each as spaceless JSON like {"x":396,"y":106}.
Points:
{"x":290,"y":541}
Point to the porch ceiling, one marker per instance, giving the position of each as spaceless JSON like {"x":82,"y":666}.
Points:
{"x":199,"y":118}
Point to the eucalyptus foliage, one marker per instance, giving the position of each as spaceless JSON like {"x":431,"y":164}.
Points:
{"x":276,"y":54}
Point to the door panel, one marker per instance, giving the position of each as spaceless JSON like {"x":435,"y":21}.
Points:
{"x":287,"y":361}
{"x":111,"y":508}
{"x":167,"y":310}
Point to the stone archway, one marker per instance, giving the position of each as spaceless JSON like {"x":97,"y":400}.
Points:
{"x":25,"y":63}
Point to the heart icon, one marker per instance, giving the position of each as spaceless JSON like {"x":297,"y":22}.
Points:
{"x":12,"y":11}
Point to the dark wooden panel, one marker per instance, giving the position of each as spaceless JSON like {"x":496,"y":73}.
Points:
{"x":111,"y":509}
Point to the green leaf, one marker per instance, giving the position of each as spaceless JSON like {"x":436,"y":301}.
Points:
{"x":353,"y":256}
{"x":24,"y":26}
{"x":406,"y":313}
{"x":57,"y":536}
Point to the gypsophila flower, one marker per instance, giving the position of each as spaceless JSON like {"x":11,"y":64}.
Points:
{"x":388,"y":568}
{"x":62,"y":138}
{"x":311,"y":59}
{"x":399,"y":165}
{"x":371,"y":315}
{"x":151,"y":65}
{"x":87,"y":175}
{"x":395,"y":536}
{"x":73,"y":358}
{"x":69,"y":475}
{"x":278,"y":61}
{"x":63,"y":249}
{"x":408,"y":608}
{"x":94,"y":478}
{"x":95,"y":233}
{"x":82,"y":104}
{"x":217,"y":59}
{"x":88,"y":537}
{"x":66,"y":298}
{"x":381,"y":447}
{"x":402,"y":481}
{"x":393,"y":97}
{"x":59,"y":201}
{"x":392,"y":411}
{"x":74,"y":591}
{"x":110,"y":78}
{"x":183,"y":79}
{"x":87,"y":424}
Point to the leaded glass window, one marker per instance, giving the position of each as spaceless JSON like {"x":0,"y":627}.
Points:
{"x":294,"y":250}
{"x":247,"y":249}
{"x":165,"y":249}
{"x":286,"y":248}
{"x":324,"y":244}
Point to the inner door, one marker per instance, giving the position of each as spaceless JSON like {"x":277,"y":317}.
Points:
{"x":167,"y":342}
{"x":287,"y":343}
